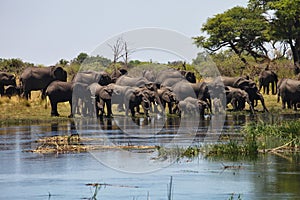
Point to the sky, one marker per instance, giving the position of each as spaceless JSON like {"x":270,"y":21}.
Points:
{"x":43,"y":32}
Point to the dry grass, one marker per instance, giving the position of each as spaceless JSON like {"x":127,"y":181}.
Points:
{"x":77,"y":144}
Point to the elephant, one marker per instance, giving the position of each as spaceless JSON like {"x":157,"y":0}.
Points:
{"x":237,"y":98}
{"x":284,"y":100}
{"x":167,"y":96}
{"x":200,"y":90}
{"x":82,"y":99}
{"x":266,"y":78}
{"x":89,"y":77}
{"x":131,"y":97}
{"x":35,"y":78}
{"x":247,"y":85}
{"x":289,"y":91}
{"x":59,"y":91}
{"x":174,"y":74}
{"x":12,"y":90}
{"x":142,"y":83}
{"x":132,"y":81}
{"x":117,"y":73}
{"x":193,"y":106}
{"x":103,"y":98}
{"x":5,"y":80}
{"x":149,"y":75}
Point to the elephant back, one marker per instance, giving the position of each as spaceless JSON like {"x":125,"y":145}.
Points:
{"x":7,"y":79}
{"x":293,"y":86}
{"x":37,"y":78}
{"x":89,"y":77}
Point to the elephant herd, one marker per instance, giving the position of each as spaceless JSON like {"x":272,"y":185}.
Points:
{"x":92,"y":93}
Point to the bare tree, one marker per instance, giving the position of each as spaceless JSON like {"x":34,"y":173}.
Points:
{"x":117,"y":49}
{"x":120,"y":50}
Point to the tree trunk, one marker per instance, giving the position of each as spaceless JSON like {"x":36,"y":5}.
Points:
{"x":296,"y":53}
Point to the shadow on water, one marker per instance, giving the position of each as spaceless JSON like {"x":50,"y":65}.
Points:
{"x":26,"y":175}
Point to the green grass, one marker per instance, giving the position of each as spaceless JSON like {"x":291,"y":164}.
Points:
{"x":17,"y":110}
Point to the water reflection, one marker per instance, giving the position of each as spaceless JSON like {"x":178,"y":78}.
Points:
{"x":26,"y":175}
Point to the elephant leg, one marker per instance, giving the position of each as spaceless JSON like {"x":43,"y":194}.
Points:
{"x":295,"y":106}
{"x":289,"y":105}
{"x":43,"y":93}
{"x":1,"y":89}
{"x":127,"y":108}
{"x":26,"y":94}
{"x":235,"y":104}
{"x":176,"y":110}
{"x":54,"y":109}
{"x":71,"y":114}
{"x":169,"y":107}
{"x":108,"y":107}
{"x":155,"y":108}
{"x":132,"y":111}
{"x":283,"y":102}
{"x":263,"y":104}
{"x":100,"y":107}
{"x":138,"y":109}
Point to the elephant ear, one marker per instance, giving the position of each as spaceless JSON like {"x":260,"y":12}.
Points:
{"x":58,"y":73}
{"x":166,"y":97}
{"x":190,"y":76}
{"x":104,"y":79}
{"x":123,"y":71}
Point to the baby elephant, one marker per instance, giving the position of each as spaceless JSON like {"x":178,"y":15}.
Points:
{"x":192,"y":106}
{"x":59,"y":91}
{"x":12,"y":90}
{"x":237,"y":97}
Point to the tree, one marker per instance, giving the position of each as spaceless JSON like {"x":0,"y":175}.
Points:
{"x":265,"y":26}
{"x":63,"y":62}
{"x":243,"y":30}
{"x":120,"y":50}
{"x":284,"y":23}
{"x":81,"y":57}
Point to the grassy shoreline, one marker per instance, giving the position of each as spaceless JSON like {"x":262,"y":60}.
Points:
{"x":272,"y":136}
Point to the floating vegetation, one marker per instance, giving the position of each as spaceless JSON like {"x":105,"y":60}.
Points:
{"x":76,"y":144}
{"x":177,"y":152}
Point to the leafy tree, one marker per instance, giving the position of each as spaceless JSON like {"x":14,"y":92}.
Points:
{"x":264,"y":26}
{"x":63,"y":62}
{"x":284,"y":19}
{"x":243,"y":30}
{"x":81,"y":57}
{"x":14,"y":65}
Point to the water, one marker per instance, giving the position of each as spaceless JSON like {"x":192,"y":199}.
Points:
{"x":27,"y":175}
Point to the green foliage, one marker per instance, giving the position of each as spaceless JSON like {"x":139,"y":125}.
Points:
{"x":81,"y":58}
{"x":262,"y":26}
{"x":274,"y":135}
{"x":63,"y":62}
{"x":241,"y":29}
{"x":13,"y":65}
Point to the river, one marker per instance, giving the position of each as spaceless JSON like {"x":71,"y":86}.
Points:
{"x":141,"y":174}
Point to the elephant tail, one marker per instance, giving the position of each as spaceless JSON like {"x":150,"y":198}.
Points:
{"x":278,"y":96}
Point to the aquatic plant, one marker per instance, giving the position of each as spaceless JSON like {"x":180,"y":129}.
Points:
{"x":270,"y":137}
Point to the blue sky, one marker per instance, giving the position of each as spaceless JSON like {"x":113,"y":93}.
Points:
{"x":43,"y":32}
